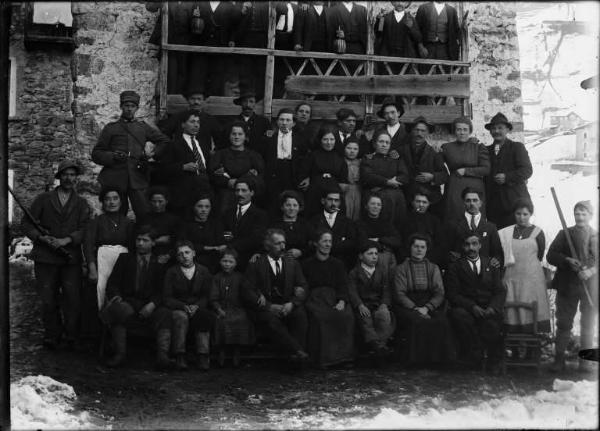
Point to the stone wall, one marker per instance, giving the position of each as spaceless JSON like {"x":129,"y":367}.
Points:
{"x":41,"y":132}
{"x":112,"y":55}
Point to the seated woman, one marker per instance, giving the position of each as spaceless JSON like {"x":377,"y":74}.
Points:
{"x":186,"y":290}
{"x":419,"y":308}
{"x":326,"y":169}
{"x":237,"y":161}
{"x":524,"y":244}
{"x":370,"y":295}
{"x":331,"y":322}
{"x":386,"y":175}
{"x":162,"y":222}
{"x":298,"y":231}
{"x":107,"y":236}
{"x":233,"y":328}
{"x":373,"y":227}
{"x":205,"y":232}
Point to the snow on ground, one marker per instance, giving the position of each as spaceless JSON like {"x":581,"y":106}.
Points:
{"x":40,"y":402}
{"x":568,"y":405}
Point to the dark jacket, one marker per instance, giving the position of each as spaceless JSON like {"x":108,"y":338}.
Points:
{"x":372,"y":291}
{"x":254,"y":24}
{"x":122,"y":280}
{"x":513,"y":161}
{"x":377,"y":169}
{"x":258,"y":281}
{"x":388,"y":235}
{"x":364,"y":146}
{"x":344,"y":235}
{"x":354,"y":24}
{"x":178,"y":291}
{"x":464,"y":289}
{"x":268,"y":150}
{"x":430,"y":161}
{"x":399,"y":139}
{"x":398,"y":39}
{"x":425,"y":11}
{"x":305,"y":28}
{"x":490,"y":241}
{"x":180,"y":15}
{"x":248,"y":232}
{"x":129,"y":137}
{"x":218,"y":25}
{"x":68,"y":221}
{"x":210,"y":130}
{"x":257,"y":127}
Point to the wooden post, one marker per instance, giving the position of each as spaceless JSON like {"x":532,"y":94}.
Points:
{"x":164,"y":62}
{"x":464,"y":50}
{"x":5,"y":18}
{"x":370,"y":69}
{"x":270,"y":69}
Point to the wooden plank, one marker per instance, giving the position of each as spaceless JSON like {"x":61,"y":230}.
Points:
{"x":270,"y":69}
{"x":164,"y":62}
{"x":436,"y":114}
{"x":223,"y":106}
{"x":415,"y":85}
{"x":306,"y":54}
{"x":321,"y":109}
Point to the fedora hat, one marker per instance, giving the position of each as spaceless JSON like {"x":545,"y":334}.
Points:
{"x":244,"y":95}
{"x":418,"y":120}
{"x":390,"y":101}
{"x":499,"y":118}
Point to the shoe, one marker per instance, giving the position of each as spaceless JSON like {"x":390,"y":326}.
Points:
{"x":237,"y":360}
{"x":180,"y":363}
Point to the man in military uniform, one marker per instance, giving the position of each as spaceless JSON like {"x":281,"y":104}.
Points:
{"x":123,"y":152}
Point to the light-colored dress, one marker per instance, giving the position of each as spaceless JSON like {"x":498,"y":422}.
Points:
{"x":524,"y":280}
{"x":352,"y":192}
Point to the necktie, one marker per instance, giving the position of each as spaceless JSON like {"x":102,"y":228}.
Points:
{"x":474,"y":267}
{"x":142,"y":269}
{"x":197,"y":154}
{"x":473,"y":225}
{"x":277,"y":268}
{"x":238,"y":215}
{"x":496,"y":149}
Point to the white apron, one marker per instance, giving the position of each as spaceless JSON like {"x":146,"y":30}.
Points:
{"x":107,"y":257}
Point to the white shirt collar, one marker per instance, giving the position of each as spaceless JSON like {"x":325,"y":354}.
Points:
{"x":245,"y":207}
{"x":330,"y":217}
{"x":477,"y":219}
{"x":368,"y":269}
{"x":318,"y":8}
{"x":272,"y":263}
{"x":393,"y":129}
{"x":348,"y":5}
{"x":188,"y":272}
{"x":398,"y":15}
{"x":214,"y":5}
{"x":477,"y":264}
{"x":439,"y":6}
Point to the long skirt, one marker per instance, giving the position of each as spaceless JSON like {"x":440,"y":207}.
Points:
{"x":352,"y":198}
{"x":453,"y":203}
{"x":234,"y":329}
{"x":107,"y":257}
{"x":330,"y":332}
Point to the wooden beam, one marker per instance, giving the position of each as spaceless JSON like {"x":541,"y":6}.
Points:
{"x":164,"y":62}
{"x":270,"y":65}
{"x":414,"y":85}
{"x":306,"y":54}
{"x":370,"y":69}
{"x":321,"y":109}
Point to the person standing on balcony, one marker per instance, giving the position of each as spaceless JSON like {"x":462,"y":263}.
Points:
{"x":349,"y":22}
{"x":398,"y":34}
{"x":284,"y":40}
{"x":210,"y":71}
{"x":313,"y":32}
{"x":438,"y":22}
{"x":509,"y":172}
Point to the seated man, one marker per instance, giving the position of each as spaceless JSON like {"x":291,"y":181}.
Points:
{"x":134,"y":293}
{"x":370,"y":296}
{"x":245,"y":223}
{"x":474,"y":221}
{"x":476,"y":295}
{"x":274,"y":292}
{"x":343,"y":229}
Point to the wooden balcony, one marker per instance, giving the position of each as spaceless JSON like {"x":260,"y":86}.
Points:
{"x":436,"y":89}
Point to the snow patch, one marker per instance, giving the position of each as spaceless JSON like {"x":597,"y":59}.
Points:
{"x":40,"y":402}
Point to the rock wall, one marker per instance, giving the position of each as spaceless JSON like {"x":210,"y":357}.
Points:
{"x":112,"y":55}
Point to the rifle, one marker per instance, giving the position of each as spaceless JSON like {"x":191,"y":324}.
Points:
{"x":570,"y":242}
{"x":36,"y":224}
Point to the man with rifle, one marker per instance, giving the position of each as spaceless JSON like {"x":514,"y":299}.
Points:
{"x":123,"y":152}
{"x":55,"y":223}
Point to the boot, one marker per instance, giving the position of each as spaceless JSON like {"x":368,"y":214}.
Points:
{"x":163,"y":344}
{"x":560,"y":345}
{"x":203,"y":350}
{"x":119,"y":335}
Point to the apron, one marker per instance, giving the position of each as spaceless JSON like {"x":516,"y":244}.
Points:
{"x":107,"y":257}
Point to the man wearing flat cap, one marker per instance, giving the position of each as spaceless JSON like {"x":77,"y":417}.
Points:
{"x":123,"y":152}
{"x":510,"y":170}
{"x":64,"y":215}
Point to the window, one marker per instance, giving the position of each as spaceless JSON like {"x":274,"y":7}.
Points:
{"x":48,"y":25}
{"x":52,"y":13}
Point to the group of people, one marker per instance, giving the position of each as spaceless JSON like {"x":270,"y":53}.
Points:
{"x":433,"y":33}
{"x":326,"y":242}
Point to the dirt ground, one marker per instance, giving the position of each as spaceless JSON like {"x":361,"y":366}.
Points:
{"x":257,"y":395}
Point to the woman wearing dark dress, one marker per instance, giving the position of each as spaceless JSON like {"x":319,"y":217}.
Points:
{"x":372,"y":227}
{"x":326,"y":170}
{"x":164,"y":223}
{"x":419,"y":307}
{"x":298,"y":231}
{"x":468,"y":162}
{"x":205,"y":232}
{"x":331,"y":320}
{"x":386,"y":175}
{"x":233,"y":328}
{"x":229,"y":164}
{"x":107,"y":236}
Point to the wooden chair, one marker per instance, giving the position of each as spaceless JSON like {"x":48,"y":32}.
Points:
{"x":531,"y":341}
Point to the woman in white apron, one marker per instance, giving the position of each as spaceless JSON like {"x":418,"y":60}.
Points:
{"x":107,"y":236}
{"x":524,"y":244}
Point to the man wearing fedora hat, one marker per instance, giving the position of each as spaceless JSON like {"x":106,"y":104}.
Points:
{"x":257,"y":124}
{"x":64,"y":214}
{"x":510,"y":170}
{"x":122,"y":151}
{"x":391,"y":111}
{"x":425,"y":165}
